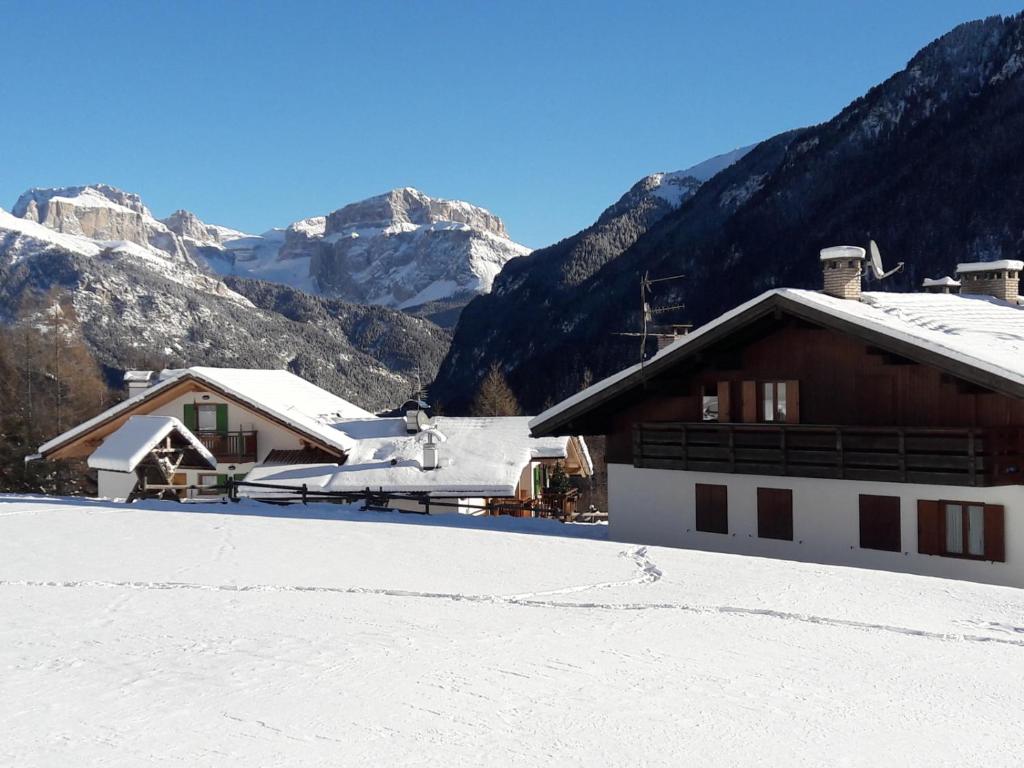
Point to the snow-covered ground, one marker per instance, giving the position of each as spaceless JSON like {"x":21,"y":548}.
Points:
{"x":245,"y":635}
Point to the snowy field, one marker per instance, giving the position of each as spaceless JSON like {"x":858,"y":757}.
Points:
{"x":164,"y":634}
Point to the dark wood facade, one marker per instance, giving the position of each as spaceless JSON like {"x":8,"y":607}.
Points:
{"x":878,"y":414}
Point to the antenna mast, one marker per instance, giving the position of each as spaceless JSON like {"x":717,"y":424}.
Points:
{"x":647,"y":312}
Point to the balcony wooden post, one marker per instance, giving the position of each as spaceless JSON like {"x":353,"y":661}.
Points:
{"x":903,"y":455}
{"x":839,"y":452}
{"x":972,"y":467}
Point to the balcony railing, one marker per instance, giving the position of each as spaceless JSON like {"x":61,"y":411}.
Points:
{"x":979,"y":457}
{"x":230,"y":447}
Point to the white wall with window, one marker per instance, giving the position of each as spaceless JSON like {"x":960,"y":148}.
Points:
{"x":828,"y":521}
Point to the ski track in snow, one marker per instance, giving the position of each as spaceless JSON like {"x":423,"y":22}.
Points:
{"x":648,"y":574}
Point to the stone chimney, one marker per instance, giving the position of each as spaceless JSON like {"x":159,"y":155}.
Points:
{"x":139,"y":381}
{"x":1000,"y":279}
{"x":842,"y":266}
{"x":940,"y":285}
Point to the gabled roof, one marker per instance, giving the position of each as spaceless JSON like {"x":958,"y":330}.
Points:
{"x":280,"y":395}
{"x":124,"y":449}
{"x":479,"y":456}
{"x":976,"y":338}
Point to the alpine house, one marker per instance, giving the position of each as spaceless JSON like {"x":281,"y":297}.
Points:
{"x":185,"y":433}
{"x":873,"y":429}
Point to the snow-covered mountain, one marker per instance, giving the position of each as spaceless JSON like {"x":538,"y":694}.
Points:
{"x":143,"y":299}
{"x":401,"y":249}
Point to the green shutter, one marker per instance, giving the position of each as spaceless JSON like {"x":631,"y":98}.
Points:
{"x":222,"y":418}
{"x":222,"y":480}
{"x":190,"y":416}
{"x":240,"y":475}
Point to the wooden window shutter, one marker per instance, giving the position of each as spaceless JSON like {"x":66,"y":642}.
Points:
{"x":222,"y":418}
{"x":995,"y":548}
{"x":748,"y":401}
{"x":191,"y":421}
{"x":724,"y":402}
{"x":222,"y":479}
{"x":712,"y":508}
{"x":929,"y":528}
{"x":775,"y":513}
{"x":792,"y":402}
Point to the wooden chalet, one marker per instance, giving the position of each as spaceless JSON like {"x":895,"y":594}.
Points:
{"x":879,"y":429}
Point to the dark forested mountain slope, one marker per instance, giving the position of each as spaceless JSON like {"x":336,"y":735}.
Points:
{"x":930,"y":164}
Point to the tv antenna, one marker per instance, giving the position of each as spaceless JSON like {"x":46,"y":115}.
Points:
{"x":648,"y":312}
{"x":875,"y":261}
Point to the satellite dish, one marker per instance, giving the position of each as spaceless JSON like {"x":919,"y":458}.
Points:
{"x":876,"y":263}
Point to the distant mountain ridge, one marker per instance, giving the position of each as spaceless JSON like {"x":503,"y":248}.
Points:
{"x":144,"y":300}
{"x":402,"y":249}
{"x":928,"y":163}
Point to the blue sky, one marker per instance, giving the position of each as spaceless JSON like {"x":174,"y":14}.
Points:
{"x":257,"y":114}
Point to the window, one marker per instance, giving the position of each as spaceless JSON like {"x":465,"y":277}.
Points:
{"x":880,"y":523}
{"x":207,"y":484}
{"x":709,"y":402}
{"x":712,"y":505}
{"x":965,"y":528}
{"x":206,"y":417}
{"x":775,"y":513}
{"x":773,"y":401}
{"x":968,"y":529}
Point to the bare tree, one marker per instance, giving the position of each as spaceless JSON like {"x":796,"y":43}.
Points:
{"x":495,"y":397}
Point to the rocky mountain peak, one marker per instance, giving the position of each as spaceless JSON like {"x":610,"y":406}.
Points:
{"x":34,"y":203}
{"x":408,"y":206}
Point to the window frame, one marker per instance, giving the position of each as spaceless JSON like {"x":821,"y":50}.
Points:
{"x":762,"y":399}
{"x":210,"y":408}
{"x":965,"y":528}
{"x":204,"y":490}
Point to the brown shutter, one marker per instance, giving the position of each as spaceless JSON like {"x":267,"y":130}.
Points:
{"x":724,"y":402}
{"x":775,"y":513}
{"x":995,"y":549}
{"x":929,"y":528}
{"x":748,"y":400}
{"x":712,"y":508}
{"x":792,"y":402}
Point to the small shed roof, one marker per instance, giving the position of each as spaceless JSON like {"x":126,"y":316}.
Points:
{"x":125,"y":448}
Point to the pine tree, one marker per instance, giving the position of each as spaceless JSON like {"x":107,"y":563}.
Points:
{"x":495,"y":397}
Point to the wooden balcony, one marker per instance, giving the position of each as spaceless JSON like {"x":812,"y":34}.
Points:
{"x":230,"y":447}
{"x":970,"y":457}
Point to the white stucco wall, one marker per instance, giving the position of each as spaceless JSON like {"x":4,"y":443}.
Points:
{"x":656,"y":506}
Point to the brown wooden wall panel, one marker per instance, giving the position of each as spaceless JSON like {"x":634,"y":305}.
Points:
{"x":842,"y":381}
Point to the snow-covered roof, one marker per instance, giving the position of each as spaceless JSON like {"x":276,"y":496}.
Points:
{"x":976,"y":331}
{"x":480,"y":456}
{"x":123,"y":449}
{"x":138,"y":375}
{"x":943,"y":282}
{"x":990,"y":266}
{"x":282,"y":395}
